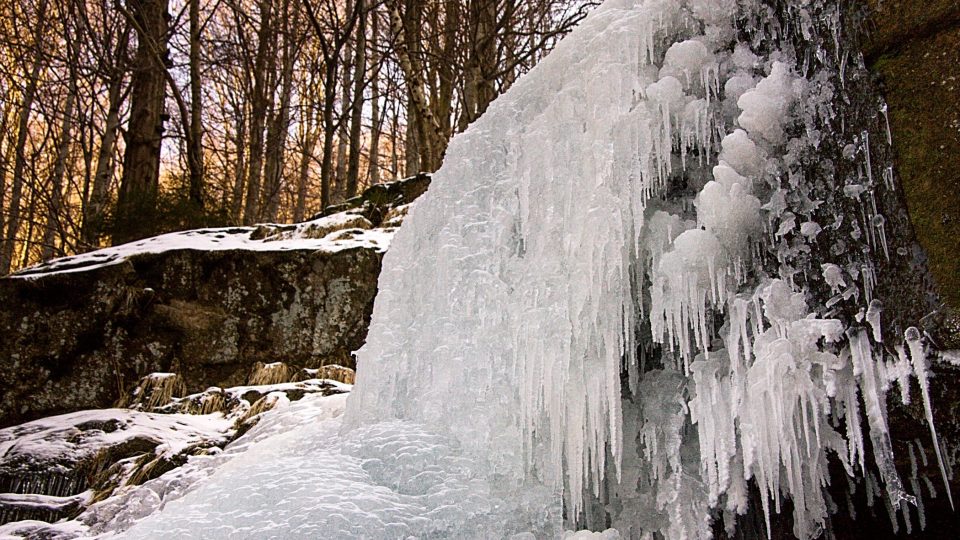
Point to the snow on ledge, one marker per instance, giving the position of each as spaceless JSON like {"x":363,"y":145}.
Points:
{"x":285,"y":238}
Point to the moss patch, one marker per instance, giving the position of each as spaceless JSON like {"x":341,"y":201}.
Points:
{"x":917,"y":47}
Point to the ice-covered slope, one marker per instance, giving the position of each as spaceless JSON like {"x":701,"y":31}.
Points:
{"x":623,"y":298}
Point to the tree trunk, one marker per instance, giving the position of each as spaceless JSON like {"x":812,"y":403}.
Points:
{"x":6,"y":158}
{"x":20,"y":158}
{"x":376,"y":117}
{"x":52,"y":226}
{"x":326,"y":166}
{"x":140,"y":183}
{"x":85,"y":126}
{"x":310,"y":136}
{"x":481,"y":65}
{"x":93,"y":223}
{"x":412,"y":153}
{"x":428,"y":130}
{"x":303,"y":178}
{"x":343,"y":126}
{"x":239,"y":172}
{"x":195,"y":151}
{"x":277,"y":134}
{"x":260,"y":104}
{"x":394,"y":137}
{"x":28,"y":237}
{"x":356,"y":116}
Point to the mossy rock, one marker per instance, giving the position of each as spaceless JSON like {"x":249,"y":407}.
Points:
{"x":915,"y":50}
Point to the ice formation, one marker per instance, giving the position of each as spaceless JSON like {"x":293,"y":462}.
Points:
{"x":637,"y":208}
{"x":554,"y":232}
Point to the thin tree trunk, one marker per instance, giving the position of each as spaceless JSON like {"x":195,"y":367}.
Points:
{"x":86,"y":147}
{"x":31,"y":221}
{"x":195,"y":151}
{"x":20,"y":158}
{"x":326,"y":166}
{"x":343,"y":132}
{"x":356,"y":116}
{"x":5,"y":160}
{"x":52,"y":227}
{"x":376,"y":118}
{"x":413,"y":163}
{"x":239,"y":172}
{"x":93,"y":223}
{"x":394,"y":137}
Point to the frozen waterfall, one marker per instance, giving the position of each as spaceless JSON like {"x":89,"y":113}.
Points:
{"x":607,"y":310}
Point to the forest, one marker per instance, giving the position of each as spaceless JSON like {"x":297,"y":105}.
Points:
{"x":125,"y":119}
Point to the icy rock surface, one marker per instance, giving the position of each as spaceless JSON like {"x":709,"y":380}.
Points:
{"x":635,"y":205}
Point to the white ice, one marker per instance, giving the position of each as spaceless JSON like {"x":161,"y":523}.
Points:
{"x":489,"y":400}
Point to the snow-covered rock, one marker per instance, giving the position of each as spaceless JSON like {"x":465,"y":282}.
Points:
{"x":53,"y":469}
{"x":207,"y":304}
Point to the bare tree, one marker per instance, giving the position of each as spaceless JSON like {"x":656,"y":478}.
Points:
{"x":23,"y":126}
{"x":332,"y":30}
{"x":279,"y":108}
{"x":140,"y":183}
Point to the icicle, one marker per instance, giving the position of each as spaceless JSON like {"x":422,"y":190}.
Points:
{"x":915,"y":485}
{"x":874,"y":401}
{"x":886,"y":117}
{"x":873,"y":319}
{"x":919,"y":358}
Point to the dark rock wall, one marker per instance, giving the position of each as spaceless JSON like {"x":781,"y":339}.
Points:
{"x":77,"y":340}
{"x":80,"y":339}
{"x":914,"y":49}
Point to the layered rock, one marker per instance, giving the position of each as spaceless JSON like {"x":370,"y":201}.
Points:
{"x":207,"y":304}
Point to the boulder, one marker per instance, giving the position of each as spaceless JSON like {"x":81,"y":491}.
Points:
{"x":208,"y":305}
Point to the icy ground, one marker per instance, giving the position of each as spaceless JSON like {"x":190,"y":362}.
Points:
{"x":51,"y":439}
{"x":639,"y":204}
{"x":55,"y":449}
{"x":294,"y":476}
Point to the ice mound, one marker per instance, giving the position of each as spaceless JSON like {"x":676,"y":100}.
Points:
{"x":390,"y":480}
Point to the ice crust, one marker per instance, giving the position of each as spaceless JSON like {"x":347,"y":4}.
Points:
{"x":554,"y":252}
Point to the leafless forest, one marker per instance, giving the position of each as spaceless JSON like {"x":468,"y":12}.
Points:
{"x":127,"y":118}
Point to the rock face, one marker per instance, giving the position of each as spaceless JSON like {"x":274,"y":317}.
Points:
{"x":78,"y":333}
{"x":914,"y":48}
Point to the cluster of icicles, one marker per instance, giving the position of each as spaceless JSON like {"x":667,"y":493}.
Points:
{"x":767,"y":401}
{"x":510,"y":301}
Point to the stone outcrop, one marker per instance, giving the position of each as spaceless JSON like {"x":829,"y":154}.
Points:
{"x":79,"y":332}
